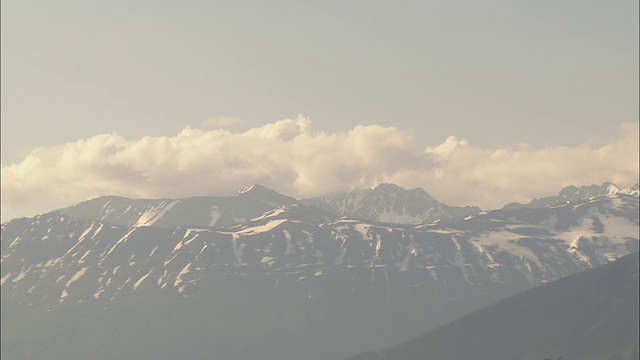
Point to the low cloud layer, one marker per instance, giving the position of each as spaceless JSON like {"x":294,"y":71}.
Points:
{"x":290,"y":157}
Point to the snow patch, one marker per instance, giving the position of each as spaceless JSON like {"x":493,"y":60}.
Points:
{"x":124,"y":238}
{"x":506,"y":241}
{"x":215,"y":215}
{"x":272,"y":213}
{"x":97,"y":293}
{"x":141,"y":280}
{"x":20,"y":275}
{"x":262,"y":228}
{"x":76,"y":276}
{"x":363,"y":229}
{"x":83,"y":257}
{"x":182,"y":272}
{"x":153,"y":214}
{"x":192,"y":238}
{"x":245,"y":190}
{"x":4,"y":278}
{"x":15,"y":241}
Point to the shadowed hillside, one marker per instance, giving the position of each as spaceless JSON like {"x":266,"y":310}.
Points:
{"x":590,"y":315}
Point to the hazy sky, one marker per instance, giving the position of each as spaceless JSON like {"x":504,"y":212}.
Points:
{"x":528,"y":76}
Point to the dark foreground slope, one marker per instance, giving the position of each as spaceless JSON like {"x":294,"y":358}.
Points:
{"x":590,"y":315}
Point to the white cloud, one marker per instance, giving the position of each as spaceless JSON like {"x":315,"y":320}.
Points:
{"x":290,"y":157}
{"x":221,"y":122}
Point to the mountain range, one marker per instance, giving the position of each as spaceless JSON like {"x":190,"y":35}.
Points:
{"x":261,"y":275}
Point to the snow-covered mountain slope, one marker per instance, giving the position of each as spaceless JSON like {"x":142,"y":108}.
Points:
{"x":48,"y":254}
{"x":633,"y":190}
{"x":390,"y":203}
{"x":573,"y":193}
{"x":322,"y":274}
{"x":196,"y":211}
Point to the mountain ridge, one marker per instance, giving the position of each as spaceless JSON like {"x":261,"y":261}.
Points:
{"x":383,"y":203}
{"x":293,"y":272}
{"x":573,"y":193}
{"x":415,"y":206}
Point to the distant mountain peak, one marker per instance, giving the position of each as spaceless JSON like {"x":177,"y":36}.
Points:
{"x":573,"y":193}
{"x":387,"y":186}
{"x":257,"y":189}
{"x":583,"y":192}
{"x":253,"y":188}
{"x":610,"y":188}
{"x":259,"y":192}
{"x":633,"y":190}
{"x":390,"y":203}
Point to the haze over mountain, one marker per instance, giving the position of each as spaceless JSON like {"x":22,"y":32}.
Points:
{"x":591,"y":315}
{"x":260,"y":275}
{"x":253,"y":180}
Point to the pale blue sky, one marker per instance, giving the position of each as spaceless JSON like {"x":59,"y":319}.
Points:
{"x":492,"y":72}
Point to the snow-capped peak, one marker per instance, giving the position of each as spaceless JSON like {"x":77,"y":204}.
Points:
{"x":610,"y":189}
{"x":246,"y":190}
{"x":267,"y":195}
{"x":633,"y":190}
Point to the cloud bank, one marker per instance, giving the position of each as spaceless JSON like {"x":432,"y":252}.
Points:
{"x":292,"y":158}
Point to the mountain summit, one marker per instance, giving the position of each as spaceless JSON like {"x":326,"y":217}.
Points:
{"x":203,"y":211}
{"x":384,"y":203}
{"x":267,"y":195}
{"x":391,"y":203}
